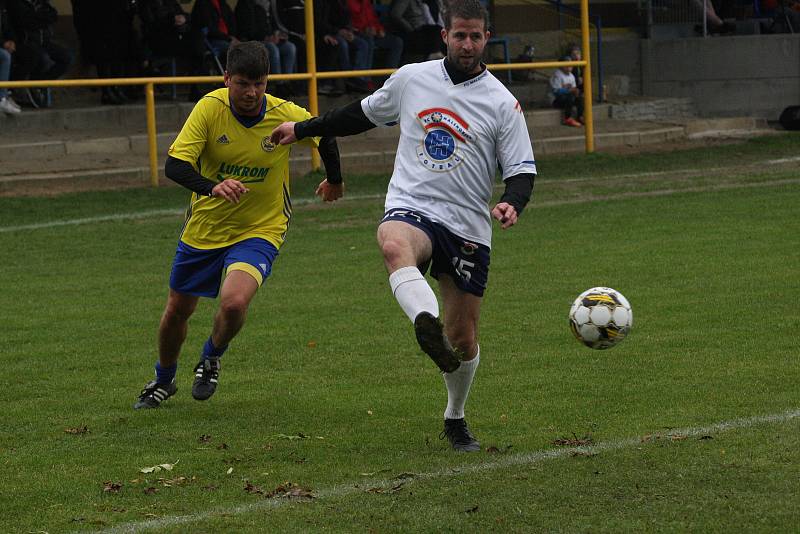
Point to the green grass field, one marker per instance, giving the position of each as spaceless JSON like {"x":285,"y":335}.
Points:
{"x":327,"y":416}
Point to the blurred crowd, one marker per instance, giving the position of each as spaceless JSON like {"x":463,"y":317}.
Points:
{"x":131,"y":38}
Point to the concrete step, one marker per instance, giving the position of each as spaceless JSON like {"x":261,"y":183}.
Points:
{"x":122,"y":161}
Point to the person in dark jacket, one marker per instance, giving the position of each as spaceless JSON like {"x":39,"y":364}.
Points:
{"x":413,"y":20}
{"x":337,"y":43}
{"x":45,"y":59}
{"x":214,"y":19}
{"x":167,"y":34}
{"x":109,"y":41}
{"x":254,"y":22}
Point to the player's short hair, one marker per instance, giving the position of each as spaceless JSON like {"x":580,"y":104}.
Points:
{"x":249,"y":59}
{"x":464,"y":9}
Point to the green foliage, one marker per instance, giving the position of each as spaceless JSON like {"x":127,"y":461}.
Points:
{"x":325,"y":393}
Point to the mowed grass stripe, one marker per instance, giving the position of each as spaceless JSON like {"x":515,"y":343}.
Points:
{"x":357,"y":198}
{"x":357,"y":487}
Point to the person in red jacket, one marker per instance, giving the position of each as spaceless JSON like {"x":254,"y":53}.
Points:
{"x":365,"y":21}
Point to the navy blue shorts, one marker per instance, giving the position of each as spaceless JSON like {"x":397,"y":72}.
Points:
{"x":466,"y":262}
{"x":199,"y":272}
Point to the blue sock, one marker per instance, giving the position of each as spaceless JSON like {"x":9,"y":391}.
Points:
{"x":210,"y":351}
{"x":165,"y":375}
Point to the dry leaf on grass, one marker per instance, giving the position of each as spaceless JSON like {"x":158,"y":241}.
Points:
{"x":385,"y":491}
{"x":159,"y":467}
{"x":574,"y":441}
{"x":77,"y":430}
{"x":112,"y":487}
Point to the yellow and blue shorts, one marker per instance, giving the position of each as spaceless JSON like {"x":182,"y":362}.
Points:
{"x":199,"y":272}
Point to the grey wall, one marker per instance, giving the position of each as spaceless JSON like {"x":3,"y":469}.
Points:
{"x":756,"y":75}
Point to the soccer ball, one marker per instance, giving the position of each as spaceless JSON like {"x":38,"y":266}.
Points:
{"x":600,"y":317}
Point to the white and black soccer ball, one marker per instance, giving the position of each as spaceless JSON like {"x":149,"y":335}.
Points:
{"x":600,"y":317}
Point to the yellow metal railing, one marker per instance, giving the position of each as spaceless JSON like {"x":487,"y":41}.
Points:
{"x":312,"y":76}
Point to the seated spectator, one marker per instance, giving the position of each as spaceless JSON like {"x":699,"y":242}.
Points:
{"x":366,"y":24}
{"x":215,"y":20}
{"x":44,"y":59}
{"x":714,"y":23}
{"x":564,"y":94}
{"x":255,"y":22}
{"x":167,"y":34}
{"x":109,"y":41}
{"x":338,"y":43}
{"x":421,"y":32}
{"x":7,"y":104}
{"x":575,"y":54}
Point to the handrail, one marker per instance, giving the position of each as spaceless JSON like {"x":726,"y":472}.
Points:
{"x":312,"y":76}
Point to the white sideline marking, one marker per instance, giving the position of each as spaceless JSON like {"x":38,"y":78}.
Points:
{"x":144,"y":215}
{"x":503,"y":462}
{"x":302,"y":201}
{"x":782,"y":160}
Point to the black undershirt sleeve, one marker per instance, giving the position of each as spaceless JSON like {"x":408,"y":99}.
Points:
{"x":338,"y":122}
{"x":519,"y":189}
{"x":329,"y":153}
{"x":182,"y":173}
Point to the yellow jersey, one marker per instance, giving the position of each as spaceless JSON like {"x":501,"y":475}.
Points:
{"x":219,"y":145}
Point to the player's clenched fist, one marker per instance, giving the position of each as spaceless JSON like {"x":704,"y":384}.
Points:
{"x":283,"y":134}
{"x":231,"y":190}
{"x":329,"y":192}
{"x":506,"y":214}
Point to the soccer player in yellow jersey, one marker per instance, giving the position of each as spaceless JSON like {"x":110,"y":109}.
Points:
{"x":238,"y":216}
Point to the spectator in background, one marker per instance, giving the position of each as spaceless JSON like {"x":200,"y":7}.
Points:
{"x":563,"y":94}
{"x":109,"y":41}
{"x":714,"y":23}
{"x":575,"y":54}
{"x":338,"y":43}
{"x":167,"y":33}
{"x":7,"y":47}
{"x":214,"y":19}
{"x":32,"y":22}
{"x":254,"y":22}
{"x":421,"y":32}
{"x":365,"y":22}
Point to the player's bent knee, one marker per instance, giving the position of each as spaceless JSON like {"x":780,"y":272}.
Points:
{"x":234,"y":306}
{"x":396,"y":253}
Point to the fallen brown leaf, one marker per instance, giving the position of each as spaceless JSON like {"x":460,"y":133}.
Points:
{"x":77,"y":430}
{"x":291,"y":490}
{"x":574,"y":441}
{"x":386,"y":491}
{"x":112,"y":487}
{"x":253,"y":489}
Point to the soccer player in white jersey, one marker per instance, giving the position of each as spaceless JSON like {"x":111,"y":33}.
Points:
{"x":457,"y":121}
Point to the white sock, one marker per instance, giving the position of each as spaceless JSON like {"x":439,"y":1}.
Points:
{"x":458,"y":383}
{"x":413,"y":292}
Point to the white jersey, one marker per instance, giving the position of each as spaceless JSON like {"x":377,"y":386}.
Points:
{"x":452,"y":137}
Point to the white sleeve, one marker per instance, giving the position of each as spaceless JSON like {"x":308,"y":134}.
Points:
{"x":514,"y":148}
{"x":555,"y":82}
{"x":383,"y":106}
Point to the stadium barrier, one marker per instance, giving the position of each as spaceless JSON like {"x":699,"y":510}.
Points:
{"x":312,"y":76}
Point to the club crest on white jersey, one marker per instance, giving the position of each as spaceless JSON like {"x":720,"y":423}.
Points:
{"x":445,"y":133}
